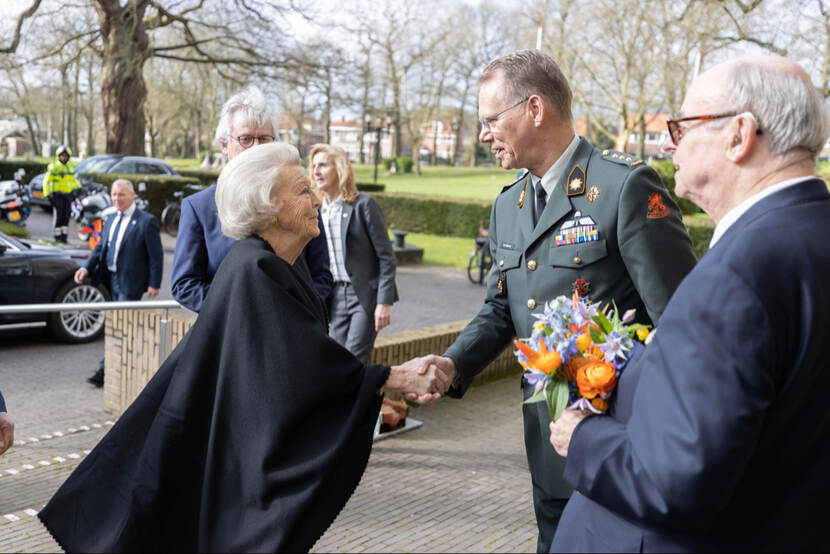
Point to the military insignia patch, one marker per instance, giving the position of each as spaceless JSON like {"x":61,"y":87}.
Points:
{"x":656,"y":208}
{"x":501,"y":287}
{"x":593,"y":194}
{"x":576,"y":181}
{"x":579,"y":229}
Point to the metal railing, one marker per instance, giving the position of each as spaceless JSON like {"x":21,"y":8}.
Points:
{"x":165,"y":305}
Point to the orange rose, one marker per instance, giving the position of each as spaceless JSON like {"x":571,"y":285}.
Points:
{"x":600,"y":404}
{"x":595,"y":378}
{"x":572,"y":367}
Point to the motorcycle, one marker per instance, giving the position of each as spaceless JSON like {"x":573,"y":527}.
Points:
{"x":93,"y":206}
{"x":14,"y":201}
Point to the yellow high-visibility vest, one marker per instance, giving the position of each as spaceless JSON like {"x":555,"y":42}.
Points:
{"x":60,"y":178}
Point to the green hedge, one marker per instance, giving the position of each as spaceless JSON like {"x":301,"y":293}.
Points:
{"x":206,"y":177}
{"x":405,"y":164}
{"x":9,"y":167}
{"x":370,"y":187}
{"x":665,"y":168}
{"x":160,"y":188}
{"x":420,"y":214}
{"x":13,"y":230}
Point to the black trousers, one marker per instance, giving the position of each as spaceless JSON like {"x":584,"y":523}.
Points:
{"x":61,"y":208}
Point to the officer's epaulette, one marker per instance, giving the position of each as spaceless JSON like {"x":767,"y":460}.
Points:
{"x":621,"y":158}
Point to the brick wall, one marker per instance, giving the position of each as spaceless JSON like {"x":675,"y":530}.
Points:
{"x":133,"y":342}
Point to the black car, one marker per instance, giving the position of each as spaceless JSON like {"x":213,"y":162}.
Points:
{"x":103,"y":163}
{"x":34,"y":273}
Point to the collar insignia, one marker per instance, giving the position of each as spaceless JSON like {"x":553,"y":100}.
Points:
{"x":576,"y":181}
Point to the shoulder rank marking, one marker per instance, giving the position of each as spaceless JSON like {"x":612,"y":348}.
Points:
{"x":576,"y":181}
{"x":621,"y":158}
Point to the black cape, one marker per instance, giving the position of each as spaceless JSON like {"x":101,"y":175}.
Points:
{"x":251,"y":437}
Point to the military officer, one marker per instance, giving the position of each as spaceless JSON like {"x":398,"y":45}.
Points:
{"x":600,"y":223}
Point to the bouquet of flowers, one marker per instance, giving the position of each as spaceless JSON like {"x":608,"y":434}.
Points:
{"x":576,"y":353}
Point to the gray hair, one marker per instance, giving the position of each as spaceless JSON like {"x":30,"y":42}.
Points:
{"x":529,"y":72}
{"x":243,"y":192}
{"x":126,"y":183}
{"x":788,"y":109}
{"x":256,"y":107}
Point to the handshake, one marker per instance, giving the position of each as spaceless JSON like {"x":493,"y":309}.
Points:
{"x":423,"y":380}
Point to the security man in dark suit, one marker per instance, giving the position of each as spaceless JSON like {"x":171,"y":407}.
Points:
{"x":129,"y":259}
{"x":599,"y":223}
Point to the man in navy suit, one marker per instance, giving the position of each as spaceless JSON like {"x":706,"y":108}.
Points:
{"x":6,"y":427}
{"x":129,"y":258}
{"x":720,"y":434}
{"x":247,"y":119}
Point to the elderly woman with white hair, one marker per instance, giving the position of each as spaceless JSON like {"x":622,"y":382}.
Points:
{"x":256,"y":430}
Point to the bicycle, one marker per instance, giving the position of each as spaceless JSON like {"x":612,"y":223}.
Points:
{"x":480,"y":258}
{"x":173,"y":210}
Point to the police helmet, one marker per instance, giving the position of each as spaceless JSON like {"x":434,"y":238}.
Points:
{"x":63,"y":149}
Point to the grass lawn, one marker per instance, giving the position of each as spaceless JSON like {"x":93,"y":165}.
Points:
{"x":477,"y":183}
{"x":13,"y":230}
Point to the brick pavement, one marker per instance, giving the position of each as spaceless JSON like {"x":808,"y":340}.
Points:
{"x":457,"y":484}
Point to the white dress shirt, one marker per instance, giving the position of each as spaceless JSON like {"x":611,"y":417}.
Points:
{"x":126,"y":215}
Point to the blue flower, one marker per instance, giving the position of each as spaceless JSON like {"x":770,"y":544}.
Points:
{"x":615,"y":345}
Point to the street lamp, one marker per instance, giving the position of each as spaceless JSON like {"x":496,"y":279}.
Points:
{"x":375,"y":129}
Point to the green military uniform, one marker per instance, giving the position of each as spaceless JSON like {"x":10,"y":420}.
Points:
{"x":636,"y":251}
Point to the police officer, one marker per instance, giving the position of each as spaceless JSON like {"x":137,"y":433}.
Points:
{"x":59,"y":186}
{"x":599,"y":223}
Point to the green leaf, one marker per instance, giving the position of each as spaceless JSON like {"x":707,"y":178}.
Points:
{"x":538,"y":397}
{"x":603,"y":322}
{"x":557,"y":397}
{"x":596,"y":335}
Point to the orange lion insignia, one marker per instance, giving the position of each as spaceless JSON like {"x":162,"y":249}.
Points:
{"x":656,"y":208}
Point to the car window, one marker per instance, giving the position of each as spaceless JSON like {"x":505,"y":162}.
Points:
{"x":150,"y":169}
{"x":95,"y":164}
{"x":124,"y":166}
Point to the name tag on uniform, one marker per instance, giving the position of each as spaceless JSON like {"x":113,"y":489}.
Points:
{"x":507,"y":246}
{"x":581,"y":228}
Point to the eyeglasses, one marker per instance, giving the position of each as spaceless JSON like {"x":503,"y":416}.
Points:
{"x":246,"y":141}
{"x":487,"y":122}
{"x":676,"y":131}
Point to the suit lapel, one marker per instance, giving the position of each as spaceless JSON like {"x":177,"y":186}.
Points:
{"x":526,"y":208}
{"x":559,"y":205}
{"x":130,"y":224}
{"x":345,"y":219}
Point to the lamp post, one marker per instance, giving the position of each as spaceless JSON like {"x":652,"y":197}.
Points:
{"x":375,"y":129}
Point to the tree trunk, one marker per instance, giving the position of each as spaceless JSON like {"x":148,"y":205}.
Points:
{"x":641,"y":142}
{"x":126,"y":47}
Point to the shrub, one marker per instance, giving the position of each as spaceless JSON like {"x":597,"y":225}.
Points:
{"x":665,"y":168}
{"x":370,"y":187}
{"x":206,"y":177}
{"x":437,"y":217}
{"x":160,"y":188}
{"x":13,"y":230}
{"x":404,"y":164}
{"x":9,"y":167}
{"x":387,"y":163}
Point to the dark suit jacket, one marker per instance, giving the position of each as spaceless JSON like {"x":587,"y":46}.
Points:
{"x":370,"y":258}
{"x":201,"y":247}
{"x":720,"y":436}
{"x":140,"y":258}
{"x":2,"y":403}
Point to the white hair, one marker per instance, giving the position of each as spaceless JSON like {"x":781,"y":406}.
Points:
{"x":126,"y":183}
{"x":243,"y":192}
{"x":255,"y":106}
{"x":788,"y":109}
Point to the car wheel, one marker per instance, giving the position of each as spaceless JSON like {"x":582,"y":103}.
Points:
{"x":83,"y":325}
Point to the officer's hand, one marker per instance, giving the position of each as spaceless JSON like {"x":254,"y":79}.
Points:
{"x":80,"y":275}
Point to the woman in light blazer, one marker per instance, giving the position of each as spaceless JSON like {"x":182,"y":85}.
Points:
{"x":360,"y":253}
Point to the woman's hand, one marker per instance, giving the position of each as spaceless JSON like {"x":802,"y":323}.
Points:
{"x":410,"y":377}
{"x":383,"y":316}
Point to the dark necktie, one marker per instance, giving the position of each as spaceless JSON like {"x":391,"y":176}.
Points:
{"x":114,"y":242}
{"x":540,"y":200}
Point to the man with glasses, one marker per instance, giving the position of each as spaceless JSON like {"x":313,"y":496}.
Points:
{"x":600,"y":224}
{"x":720,"y":440}
{"x":247,"y":119}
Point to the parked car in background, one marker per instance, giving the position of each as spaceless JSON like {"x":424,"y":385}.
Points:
{"x":103,"y":163}
{"x":34,"y":273}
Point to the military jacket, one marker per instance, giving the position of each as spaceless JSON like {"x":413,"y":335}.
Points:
{"x":609,"y":230}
